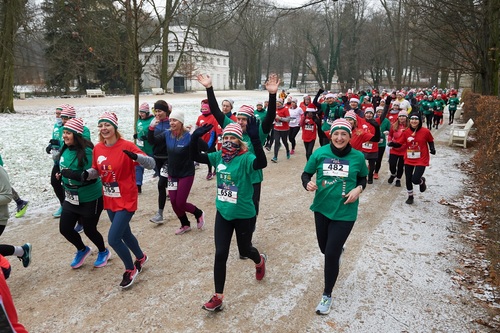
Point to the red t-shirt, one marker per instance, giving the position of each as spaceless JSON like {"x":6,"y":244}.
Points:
{"x":309,"y":128}
{"x":358,"y":137}
{"x":417,"y":149}
{"x":369,"y":146}
{"x":394,"y":136}
{"x":209,"y":119}
{"x":117,"y":173}
{"x":282,"y":125}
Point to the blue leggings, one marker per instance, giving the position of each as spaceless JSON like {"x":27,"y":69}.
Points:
{"x":121,"y":239}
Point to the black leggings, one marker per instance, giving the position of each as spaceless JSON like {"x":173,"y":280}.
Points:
{"x":223,"y":233}
{"x":396,"y":165}
{"x":283,"y":135}
{"x":162,"y":182}
{"x":331,"y":235}
{"x":428,"y":120}
{"x":378,"y":164}
{"x":309,"y":146}
{"x":371,"y":167}
{"x":292,"y":134}
{"x":452,"y":115}
{"x":57,"y":185}
{"x":413,"y":175}
{"x":87,"y":214}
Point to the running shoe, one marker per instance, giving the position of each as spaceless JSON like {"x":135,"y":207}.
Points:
{"x":370,"y":181}
{"x":139,"y":189}
{"x":398,"y":183}
{"x":21,"y":209}
{"x":288,"y":155}
{"x":128,"y":278}
{"x":200,"y":221}
{"x":79,"y":228}
{"x":268,"y":148}
{"x":139,"y":263}
{"x":210,"y":176}
{"x":58,"y":212}
{"x":292,"y":151}
{"x":391,"y":179}
{"x":158,"y":219}
{"x":260,"y":269}
{"x":422,"y":185}
{"x":274,"y":159}
{"x":183,"y":229}
{"x":375,"y":175}
{"x":26,"y":257}
{"x":102,"y":258}
{"x":80,"y":257}
{"x":324,"y":305}
{"x":409,"y":201}
{"x":214,"y":304}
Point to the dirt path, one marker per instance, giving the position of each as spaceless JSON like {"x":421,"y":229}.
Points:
{"x":395,"y":276}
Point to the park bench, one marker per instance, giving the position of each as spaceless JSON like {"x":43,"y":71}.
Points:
{"x":157,"y":91}
{"x":95,"y":93}
{"x":459,"y":133}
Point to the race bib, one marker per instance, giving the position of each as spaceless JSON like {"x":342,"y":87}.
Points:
{"x":330,"y":121}
{"x":111,"y":190}
{"x":164,"y":171}
{"x":227,"y":193}
{"x":139,"y":142}
{"x":72,"y":197}
{"x":367,"y":145}
{"x":172,"y":184}
{"x":413,"y":153}
{"x":278,"y":123}
{"x":335,"y":168}
{"x":309,"y":127}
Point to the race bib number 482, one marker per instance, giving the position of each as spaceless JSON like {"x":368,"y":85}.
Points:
{"x":335,"y":168}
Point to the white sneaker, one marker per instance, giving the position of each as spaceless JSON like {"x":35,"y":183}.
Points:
{"x":324,"y":305}
{"x":158,"y":219}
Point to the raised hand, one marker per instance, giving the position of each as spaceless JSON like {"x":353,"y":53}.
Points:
{"x":200,"y":131}
{"x":204,"y":80}
{"x":272,"y":83}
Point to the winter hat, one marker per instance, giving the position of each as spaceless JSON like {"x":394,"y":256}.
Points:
{"x":109,"y":117}
{"x":178,"y":115}
{"x":280,"y":100}
{"x":306,"y":96}
{"x":60,"y":107}
{"x":414,"y":115}
{"x":400,"y":93}
{"x":354,"y":100}
{"x":311,"y":108}
{"x":402,"y":113}
{"x":379,"y":108}
{"x":341,"y":124}
{"x":233,"y":129}
{"x":370,"y":110}
{"x":259,"y":103}
{"x":68,"y":111}
{"x":74,"y":125}
{"x":205,"y":108}
{"x":144,"y":107}
{"x":161,"y":106}
{"x":350,"y":114}
{"x":245,"y":110}
{"x":230,"y":102}
{"x":330,"y":95}
{"x":294,"y":100}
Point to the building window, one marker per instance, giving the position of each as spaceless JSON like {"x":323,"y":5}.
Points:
{"x":224,"y":62}
{"x":170,"y":58}
{"x":158,"y":58}
{"x":218,"y":61}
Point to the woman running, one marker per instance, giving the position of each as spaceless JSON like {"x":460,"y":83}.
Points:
{"x":83,"y":200}
{"x":114,"y":161}
{"x":340,"y":178}
{"x":236,"y":212}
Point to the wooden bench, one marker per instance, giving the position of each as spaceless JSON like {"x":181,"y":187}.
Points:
{"x":459,"y":133}
{"x":157,"y":91}
{"x":95,"y":93}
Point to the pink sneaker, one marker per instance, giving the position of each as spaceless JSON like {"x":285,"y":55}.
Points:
{"x":292,"y":151}
{"x":183,"y":229}
{"x":214,"y":304}
{"x":201,"y":220}
{"x":260,"y":269}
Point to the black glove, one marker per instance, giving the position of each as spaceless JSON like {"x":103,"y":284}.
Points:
{"x":320,"y":91}
{"x":133,"y":156}
{"x":85,"y":175}
{"x":49,"y":149}
{"x":144,"y":138}
{"x":373,"y":122}
{"x":200,"y":131}
{"x":71,"y":174}
{"x":135,"y":135}
{"x":55,"y":142}
{"x":433,"y":151}
{"x":394,"y":144}
{"x":253,"y":128}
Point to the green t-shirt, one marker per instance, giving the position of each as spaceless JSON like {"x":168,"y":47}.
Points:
{"x":332,"y":112}
{"x":258,"y":175}
{"x":86,"y":193}
{"x":142,"y":132}
{"x":333,"y":175}
{"x":260,"y":114}
{"x":384,"y":126}
{"x":234,"y":185}
{"x":453,"y":103}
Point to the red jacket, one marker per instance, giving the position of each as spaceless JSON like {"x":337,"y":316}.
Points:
{"x":8,"y":304}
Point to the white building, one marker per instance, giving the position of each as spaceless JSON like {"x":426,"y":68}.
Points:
{"x":196,"y":60}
